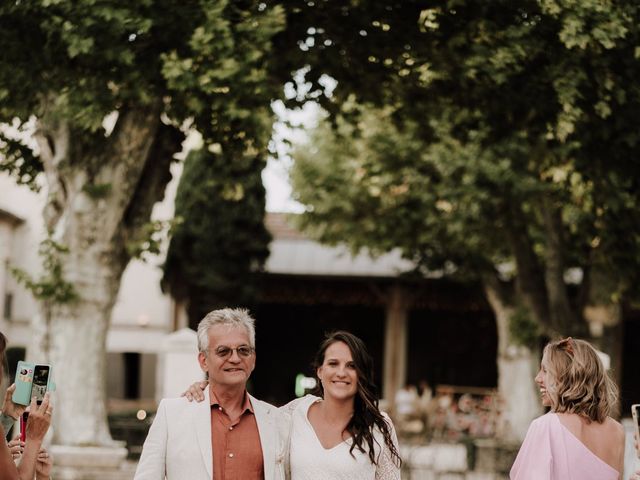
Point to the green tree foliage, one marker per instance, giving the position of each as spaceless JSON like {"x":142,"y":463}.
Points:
{"x":51,"y":287}
{"x":491,"y":132}
{"x":220,"y":241}
{"x":83,"y":60}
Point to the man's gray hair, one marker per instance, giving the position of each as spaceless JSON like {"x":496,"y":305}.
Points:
{"x":233,"y":317}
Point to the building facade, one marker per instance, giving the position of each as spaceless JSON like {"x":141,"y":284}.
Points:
{"x":417,"y":329}
{"x":308,"y":290}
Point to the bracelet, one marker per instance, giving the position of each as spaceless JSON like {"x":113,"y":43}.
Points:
{"x":2,"y":414}
{"x":6,"y":421}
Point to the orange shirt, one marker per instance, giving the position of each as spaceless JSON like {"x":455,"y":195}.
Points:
{"x":237,"y":452}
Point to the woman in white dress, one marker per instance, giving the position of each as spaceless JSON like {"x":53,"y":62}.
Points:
{"x":339,"y":432}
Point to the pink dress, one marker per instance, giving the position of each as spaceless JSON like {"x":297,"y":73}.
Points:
{"x":551,"y":452}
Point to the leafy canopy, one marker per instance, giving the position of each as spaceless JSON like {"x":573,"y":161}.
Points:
{"x":481,"y":132}
{"x":79,"y":61}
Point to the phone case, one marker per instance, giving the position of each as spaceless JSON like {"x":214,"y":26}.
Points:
{"x":24,"y":382}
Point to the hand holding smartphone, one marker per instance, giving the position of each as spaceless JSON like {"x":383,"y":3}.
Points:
{"x":32,"y":380}
{"x":635,"y":413}
{"x":35,"y":422}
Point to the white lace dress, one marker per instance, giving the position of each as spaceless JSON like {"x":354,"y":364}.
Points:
{"x":309,"y":460}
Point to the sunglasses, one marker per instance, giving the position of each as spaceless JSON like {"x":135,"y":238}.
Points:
{"x":243,"y":351}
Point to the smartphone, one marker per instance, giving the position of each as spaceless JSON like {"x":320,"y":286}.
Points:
{"x":32,"y":380}
{"x":635,"y":413}
{"x":40,"y":382}
{"x":23,"y":426}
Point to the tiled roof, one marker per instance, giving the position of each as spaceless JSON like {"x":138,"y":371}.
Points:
{"x":280,"y":225}
{"x":293,"y":253}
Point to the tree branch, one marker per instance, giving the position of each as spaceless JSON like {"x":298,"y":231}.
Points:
{"x":563,"y":319}
{"x":153,"y":180}
{"x":155,"y":175}
{"x":125,"y":157}
{"x":502,"y":305}
{"x":53,"y":141}
{"x":530,"y":279}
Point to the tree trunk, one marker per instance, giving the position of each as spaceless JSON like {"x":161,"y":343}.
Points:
{"x":530,"y":280}
{"x":79,"y":357}
{"x":563,"y":318}
{"x":99,"y":197}
{"x":77,"y":332}
{"x":516,"y":370}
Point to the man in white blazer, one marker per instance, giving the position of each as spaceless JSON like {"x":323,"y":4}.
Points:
{"x":231,"y":435}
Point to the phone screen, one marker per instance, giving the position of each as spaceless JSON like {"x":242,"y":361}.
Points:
{"x":40,"y":381}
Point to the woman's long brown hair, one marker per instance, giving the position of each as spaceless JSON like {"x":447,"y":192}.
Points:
{"x":366,"y":414}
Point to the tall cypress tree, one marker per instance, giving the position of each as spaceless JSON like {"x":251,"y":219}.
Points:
{"x":220,"y":241}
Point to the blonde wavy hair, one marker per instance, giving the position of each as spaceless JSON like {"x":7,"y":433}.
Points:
{"x":581,"y":383}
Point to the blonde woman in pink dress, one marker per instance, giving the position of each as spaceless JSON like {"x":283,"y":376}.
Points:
{"x":577,"y":439}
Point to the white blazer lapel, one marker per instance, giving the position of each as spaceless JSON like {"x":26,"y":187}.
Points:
{"x":202,"y":427}
{"x":265,"y":418}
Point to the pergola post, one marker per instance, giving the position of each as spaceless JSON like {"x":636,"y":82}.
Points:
{"x":395,"y":344}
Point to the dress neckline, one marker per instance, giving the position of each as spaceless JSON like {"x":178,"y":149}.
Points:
{"x":313,"y":430}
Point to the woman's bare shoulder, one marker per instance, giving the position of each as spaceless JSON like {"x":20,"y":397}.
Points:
{"x":578,"y":424}
{"x":615,"y":426}
{"x":572,"y":420}
{"x":575,"y":419}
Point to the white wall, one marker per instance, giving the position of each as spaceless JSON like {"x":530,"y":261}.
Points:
{"x":19,"y":249}
{"x":142,"y":314}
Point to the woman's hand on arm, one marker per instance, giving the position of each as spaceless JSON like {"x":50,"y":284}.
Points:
{"x":196,"y":391}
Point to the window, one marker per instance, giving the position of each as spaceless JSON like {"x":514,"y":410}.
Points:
{"x":8,"y":306}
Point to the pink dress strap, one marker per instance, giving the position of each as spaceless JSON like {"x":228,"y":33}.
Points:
{"x":551,"y":452}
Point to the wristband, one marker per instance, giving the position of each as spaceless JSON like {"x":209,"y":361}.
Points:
{"x":6,"y":421}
